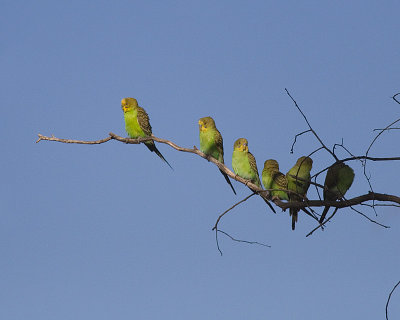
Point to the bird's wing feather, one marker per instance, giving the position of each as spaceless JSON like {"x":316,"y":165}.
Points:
{"x":252,"y":162}
{"x":280,"y":180}
{"x":144,"y":121}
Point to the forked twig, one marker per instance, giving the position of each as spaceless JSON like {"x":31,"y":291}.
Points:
{"x":237,"y":240}
{"x":226,"y":211}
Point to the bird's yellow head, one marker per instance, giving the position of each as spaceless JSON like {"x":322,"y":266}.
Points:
{"x":206,"y":123}
{"x":304,"y":161}
{"x":127,"y":104}
{"x":271,"y":165}
{"x":241,"y":145}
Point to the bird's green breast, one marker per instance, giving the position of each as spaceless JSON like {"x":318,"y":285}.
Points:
{"x":132,"y":126}
{"x":208,"y":145}
{"x":241,"y":166}
{"x":266,"y":179}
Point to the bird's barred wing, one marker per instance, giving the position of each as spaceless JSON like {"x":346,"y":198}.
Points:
{"x":280,"y":180}
{"x":253,"y":164}
{"x":144,"y":121}
{"x":220,"y":144}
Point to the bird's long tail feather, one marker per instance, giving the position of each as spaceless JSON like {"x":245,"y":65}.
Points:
{"x":267,"y":202}
{"x":294,"y":213}
{"x":228,"y":180}
{"x":323,"y":215}
{"x":270,"y":205}
{"x":152,"y":147}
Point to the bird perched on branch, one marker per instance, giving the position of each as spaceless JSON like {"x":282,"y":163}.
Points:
{"x":244,"y":164}
{"x":338,"y":180}
{"x":137,"y":124}
{"x":272,"y":178}
{"x":211,"y":143}
{"x":298,"y":181}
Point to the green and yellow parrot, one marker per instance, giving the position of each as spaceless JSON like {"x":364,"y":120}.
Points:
{"x":244,"y":164}
{"x":338,"y":180}
{"x":211,"y":143}
{"x":137,"y":124}
{"x":298,"y":181}
{"x":272,"y":178}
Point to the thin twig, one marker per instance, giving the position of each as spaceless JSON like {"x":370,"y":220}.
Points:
{"x":394,"y":97}
{"x":377,"y":136}
{"x":217,"y":242}
{"x":380,"y":205}
{"x":239,"y":240}
{"x":295,"y":139}
{"x":372,"y":143}
{"x":309,"y":126}
{"x":52,"y":138}
{"x":387,"y":302}
{"x":348,"y":151}
{"x":226,"y":211}
{"x":368,"y":218}
{"x":321,"y":225}
{"x":359,"y":158}
{"x":386,"y":129}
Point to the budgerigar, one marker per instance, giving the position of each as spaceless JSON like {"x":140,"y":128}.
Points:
{"x":137,"y":124}
{"x":338,"y":180}
{"x":211,"y":143}
{"x":272,"y":178}
{"x":244,"y":164}
{"x":298,"y":181}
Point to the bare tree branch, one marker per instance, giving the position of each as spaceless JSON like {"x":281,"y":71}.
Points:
{"x":226,"y":211}
{"x":387,"y":129}
{"x":221,"y":166}
{"x":53,"y":138}
{"x":370,"y":196}
{"x":311,"y":129}
{"x":263,"y":193}
{"x":383,"y":130}
{"x":394,"y":97}
{"x":368,"y":218}
{"x":321,"y":225}
{"x":245,"y":241}
{"x":295,"y":139}
{"x":390,"y":295}
{"x":237,"y":240}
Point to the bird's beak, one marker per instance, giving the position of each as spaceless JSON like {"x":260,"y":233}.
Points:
{"x":201,"y":127}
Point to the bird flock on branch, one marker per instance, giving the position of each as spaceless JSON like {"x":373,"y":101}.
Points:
{"x":290,"y":187}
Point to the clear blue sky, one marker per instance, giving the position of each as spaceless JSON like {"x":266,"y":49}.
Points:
{"x":110,"y":232}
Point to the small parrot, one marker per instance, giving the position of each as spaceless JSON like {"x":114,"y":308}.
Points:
{"x":211,"y":143}
{"x":244,"y":164}
{"x":338,"y":180}
{"x":137,"y":124}
{"x":272,"y":178}
{"x":301,"y":170}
